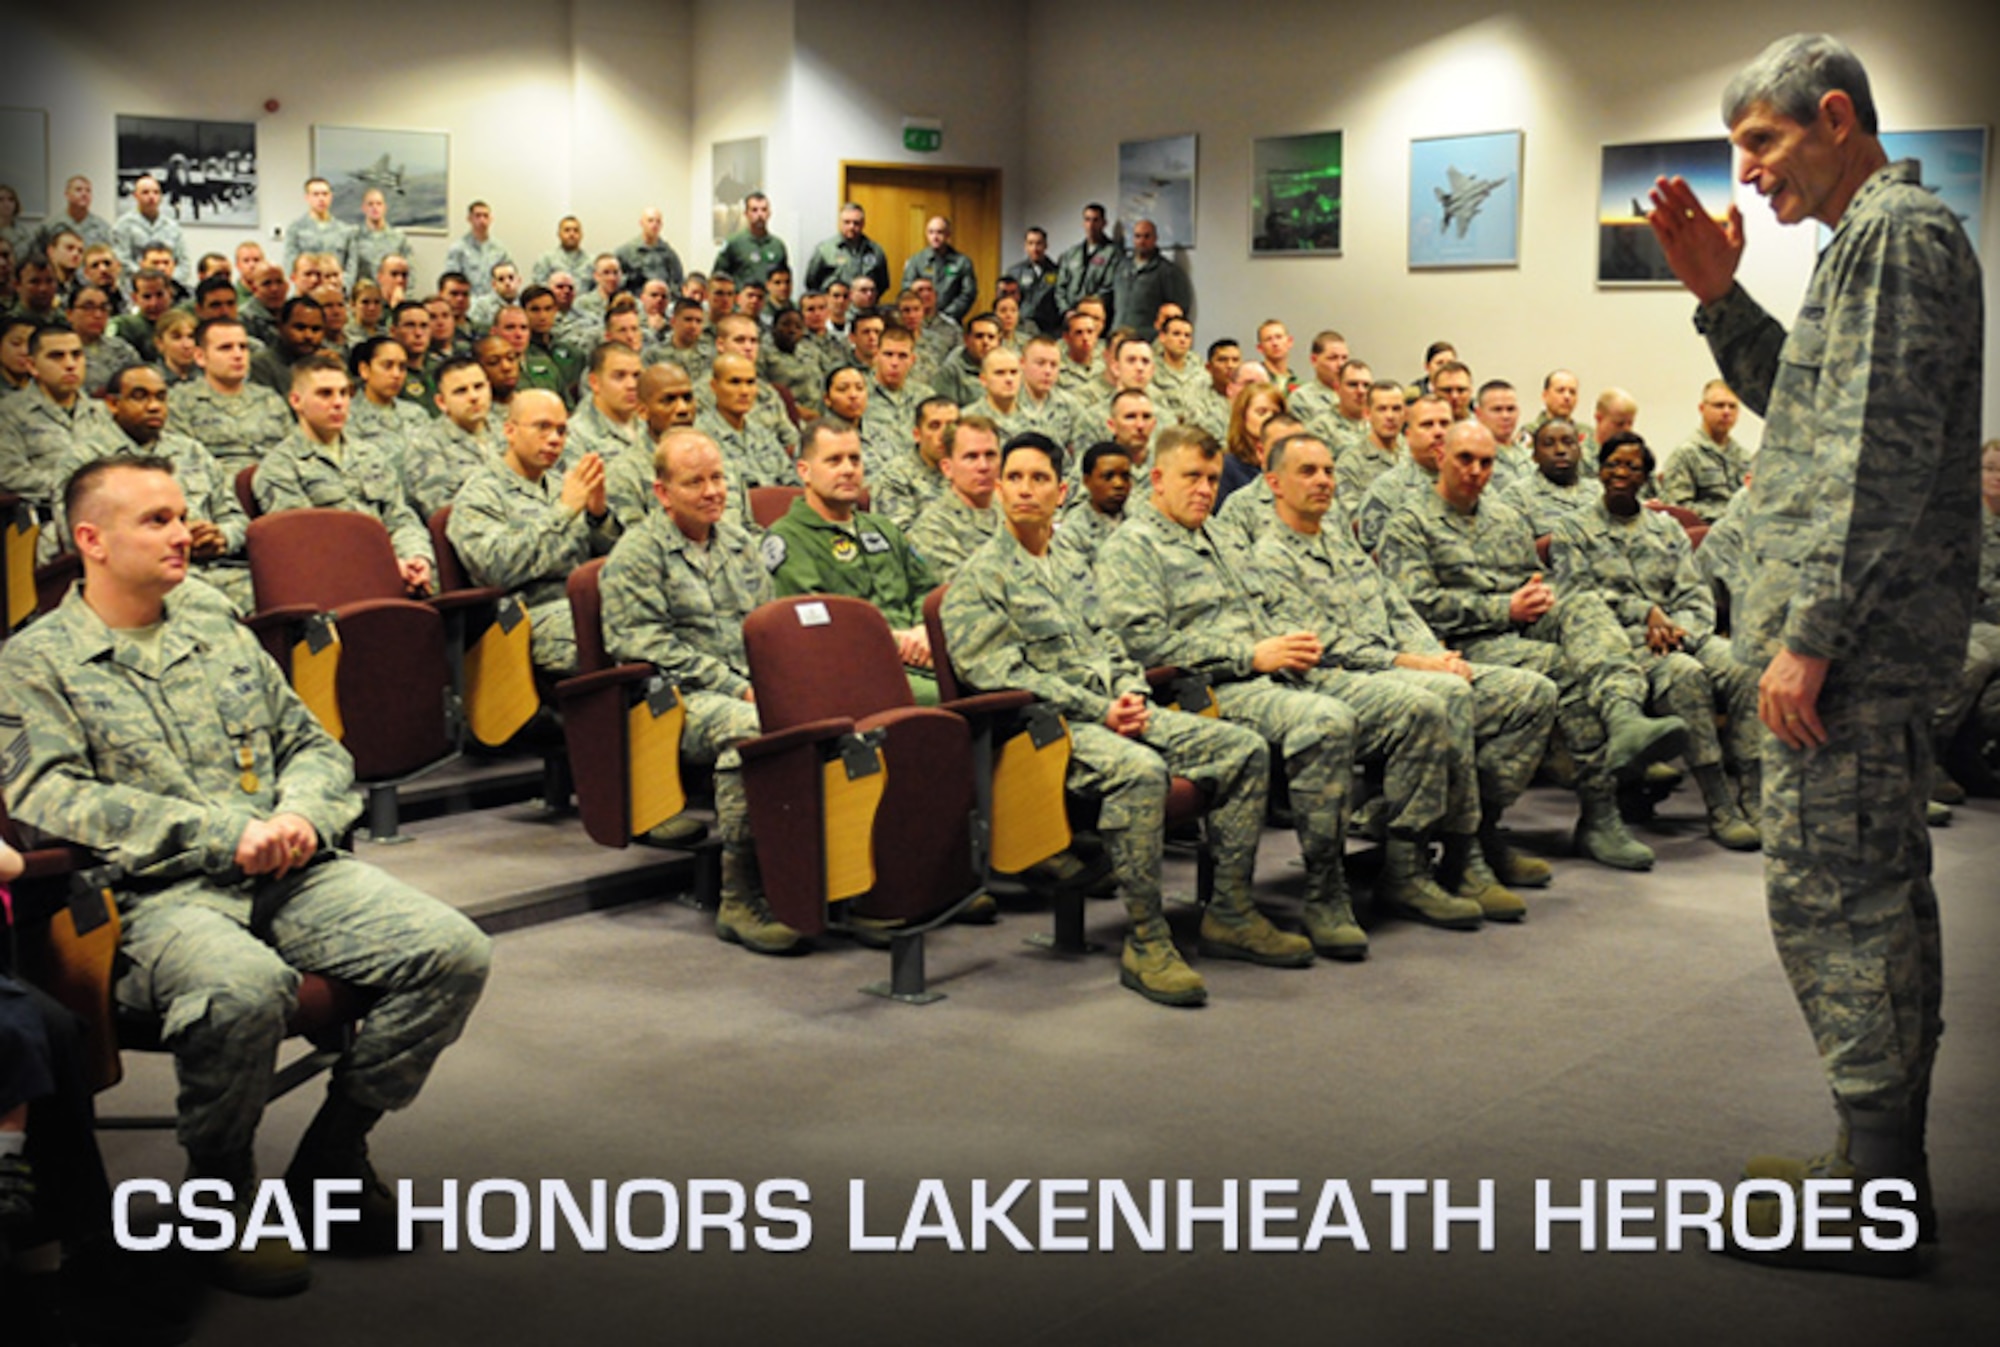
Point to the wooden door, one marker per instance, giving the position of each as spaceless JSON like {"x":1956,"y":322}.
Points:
{"x":900,"y":199}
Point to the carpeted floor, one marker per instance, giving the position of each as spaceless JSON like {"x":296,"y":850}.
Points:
{"x":1635,"y":1027}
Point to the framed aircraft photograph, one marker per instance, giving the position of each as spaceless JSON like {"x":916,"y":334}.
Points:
{"x":412,"y":169}
{"x":736,"y":169}
{"x":1465,"y":201}
{"x":1295,"y":195}
{"x":1627,"y":252}
{"x":207,"y":170}
{"x":1156,"y":182}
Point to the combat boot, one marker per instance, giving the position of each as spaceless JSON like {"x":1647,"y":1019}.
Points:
{"x":1466,"y":873}
{"x":1152,"y":967}
{"x":743,"y":918}
{"x":335,"y":1146}
{"x":1726,"y":823}
{"x":1328,"y":915}
{"x":1873,"y":1146}
{"x":1601,"y":833}
{"x":1406,"y":885}
{"x":1634,"y":739}
{"x":682,"y":830}
{"x":1510,"y":867}
{"x":267,"y":1269}
{"x":1794,"y":1171}
{"x":1233,"y":928}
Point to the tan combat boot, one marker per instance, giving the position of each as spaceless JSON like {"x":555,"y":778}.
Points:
{"x":1152,"y":967}
{"x":743,"y":917}
{"x":1406,"y":884}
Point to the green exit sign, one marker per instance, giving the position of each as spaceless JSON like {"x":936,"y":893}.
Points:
{"x":923,"y":135}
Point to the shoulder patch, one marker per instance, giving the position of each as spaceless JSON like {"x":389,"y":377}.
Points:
{"x":772,"y":551}
{"x":873,"y":542}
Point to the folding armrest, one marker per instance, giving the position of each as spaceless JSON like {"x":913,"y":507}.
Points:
{"x":989,"y":703}
{"x":780,"y":742}
{"x":460,"y":599}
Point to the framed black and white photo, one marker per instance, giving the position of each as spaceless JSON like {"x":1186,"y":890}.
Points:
{"x":24,"y":159}
{"x":738,"y":170}
{"x":412,"y":170}
{"x":207,"y":170}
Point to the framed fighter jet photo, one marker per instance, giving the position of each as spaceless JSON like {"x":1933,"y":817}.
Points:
{"x":207,"y":171}
{"x":1627,"y":252}
{"x":412,"y":170}
{"x":1465,"y":201}
{"x":1295,"y":195}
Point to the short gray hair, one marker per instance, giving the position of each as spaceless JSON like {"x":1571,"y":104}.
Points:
{"x":1793,"y":74}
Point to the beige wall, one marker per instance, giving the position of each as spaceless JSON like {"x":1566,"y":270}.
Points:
{"x":1571,"y":76}
{"x":604,"y":106}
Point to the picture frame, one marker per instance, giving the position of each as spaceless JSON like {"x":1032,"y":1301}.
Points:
{"x":736,"y":169}
{"x":1628,"y":254}
{"x":1156,"y":182}
{"x":1296,"y":194}
{"x":207,"y":170}
{"x":24,"y":149}
{"x":412,"y":169}
{"x":1465,"y":201}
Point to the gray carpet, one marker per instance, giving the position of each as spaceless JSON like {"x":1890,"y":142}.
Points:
{"x":1633,"y":1027}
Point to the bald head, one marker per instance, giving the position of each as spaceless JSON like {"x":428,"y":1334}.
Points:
{"x":531,"y":404}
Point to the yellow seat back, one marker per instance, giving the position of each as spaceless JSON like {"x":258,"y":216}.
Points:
{"x":653,"y":727}
{"x":22,"y":534}
{"x":500,"y":695}
{"x":1030,"y":822}
{"x":851,"y":787}
{"x":316,"y":671}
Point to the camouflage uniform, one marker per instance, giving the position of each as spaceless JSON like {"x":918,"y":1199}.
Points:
{"x":300,"y":474}
{"x":837,"y":259}
{"x":1644,"y":562}
{"x":1720,"y":558}
{"x":1389,"y":493}
{"x":1014,"y":621}
{"x":475,"y":260}
{"x":1172,"y":388}
{"x":889,"y":422}
{"x":754,"y":455}
{"x":331,"y":236}
{"x":797,"y":373}
{"x":133,"y":233}
{"x":573,"y":260}
{"x":210,"y":494}
{"x":957,"y":378}
{"x":592,"y":432}
{"x":1168,"y":596}
{"x":1460,"y":573}
{"x":642,"y":262}
{"x":1319,"y":407}
{"x":1324,"y":583}
{"x":1081,"y":382}
{"x":1703,"y":476}
{"x":1546,"y":503}
{"x":866,"y":558}
{"x":1979,"y":680}
{"x":698,"y":360}
{"x":905,"y":488}
{"x":442,"y":460}
{"x":949,"y":531}
{"x":951,"y":272}
{"x":1204,"y":407}
{"x":1356,"y":467}
{"x":745,"y":258}
{"x":1249,"y":513}
{"x":680,"y":606}
{"x":516,"y":534}
{"x":1037,"y":280}
{"x":1081,"y":532}
{"x":238,"y":428}
{"x":159,"y":754}
{"x":1863,"y":548}
{"x":36,"y":435}
{"x":767,"y":413}
{"x":399,"y":430}
{"x":629,"y":475}
{"x":373,"y":247}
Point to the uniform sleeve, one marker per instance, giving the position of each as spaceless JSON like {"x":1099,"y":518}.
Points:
{"x":987,"y":651}
{"x":1881,"y":430}
{"x":1676,"y":483}
{"x":639,"y":622}
{"x":279,"y":485}
{"x":1691,"y":606}
{"x":1745,"y":341}
{"x":220,"y":504}
{"x":1405,"y":559}
{"x":1134,"y":601}
{"x":508,"y":550}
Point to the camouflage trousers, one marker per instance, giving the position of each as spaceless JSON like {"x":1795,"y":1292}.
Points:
{"x":1419,"y":727}
{"x":1695,"y":685}
{"x":1131,"y":776}
{"x":1847,"y":872}
{"x":223,"y":994}
{"x":715,"y":726}
{"x":1580,"y":646}
{"x":552,"y":637}
{"x":1978,"y":685}
{"x":1316,"y":738}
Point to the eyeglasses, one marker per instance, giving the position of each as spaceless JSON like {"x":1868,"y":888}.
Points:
{"x":90,"y":306}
